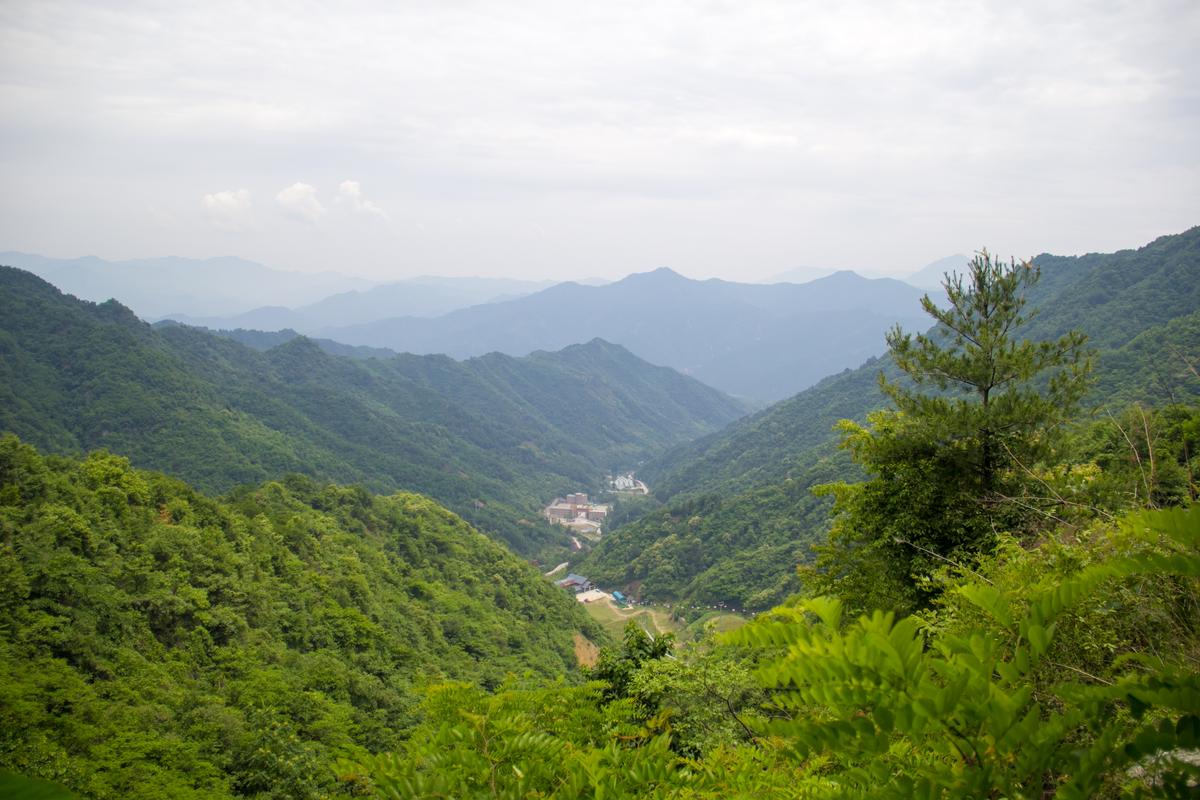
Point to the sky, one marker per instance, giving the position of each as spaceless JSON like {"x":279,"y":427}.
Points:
{"x":566,"y":139}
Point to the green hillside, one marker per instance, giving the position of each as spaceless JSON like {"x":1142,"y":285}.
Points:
{"x":1147,"y":338}
{"x":493,"y":438}
{"x":157,"y":642}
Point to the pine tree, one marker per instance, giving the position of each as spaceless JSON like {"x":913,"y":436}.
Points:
{"x":978,"y":411}
{"x":997,"y":398}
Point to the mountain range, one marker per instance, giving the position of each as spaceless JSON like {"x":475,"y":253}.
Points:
{"x":280,"y":639}
{"x":426,"y":296}
{"x":493,"y":438}
{"x":759,"y":342}
{"x":745,"y":339}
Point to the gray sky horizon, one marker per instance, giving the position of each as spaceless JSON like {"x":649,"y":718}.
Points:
{"x":552,"y":140}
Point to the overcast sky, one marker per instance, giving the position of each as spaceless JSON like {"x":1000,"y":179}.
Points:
{"x":567,"y":139}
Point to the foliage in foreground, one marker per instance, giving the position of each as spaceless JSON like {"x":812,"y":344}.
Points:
{"x":155,"y":642}
{"x":981,"y":698}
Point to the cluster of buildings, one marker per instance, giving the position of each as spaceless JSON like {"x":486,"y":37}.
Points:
{"x":576,"y":512}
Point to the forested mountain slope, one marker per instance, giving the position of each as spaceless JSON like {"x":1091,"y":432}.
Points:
{"x":493,"y":438}
{"x":266,"y":339}
{"x":752,"y":479}
{"x":761,"y":342}
{"x":161,"y":643}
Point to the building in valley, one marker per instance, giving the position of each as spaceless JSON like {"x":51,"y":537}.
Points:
{"x":627,"y":484}
{"x":575,"y":583}
{"x":578,"y":513}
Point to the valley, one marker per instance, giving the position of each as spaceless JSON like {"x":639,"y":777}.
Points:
{"x":489,"y":437}
{"x":300,"y":556}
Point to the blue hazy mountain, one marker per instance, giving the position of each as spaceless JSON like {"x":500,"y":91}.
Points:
{"x":759,"y":342}
{"x":930,"y":276}
{"x":425,"y":296}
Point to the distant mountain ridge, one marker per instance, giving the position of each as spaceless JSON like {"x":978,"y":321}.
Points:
{"x":155,"y":287}
{"x":756,"y":341}
{"x":931,"y":275}
{"x":425,"y":296}
{"x":493,"y":438}
{"x":801,"y":275}
{"x":738,"y":501}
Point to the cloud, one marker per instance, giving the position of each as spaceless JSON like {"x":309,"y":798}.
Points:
{"x":703,"y":132}
{"x":299,"y":201}
{"x":230,"y":210}
{"x":350,"y":195}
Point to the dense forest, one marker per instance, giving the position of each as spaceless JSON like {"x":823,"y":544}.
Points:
{"x":494,"y":438}
{"x":751,"y":483}
{"x":158,"y":642}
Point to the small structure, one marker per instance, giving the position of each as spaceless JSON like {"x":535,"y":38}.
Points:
{"x":575,"y":583}
{"x":591,"y":596}
{"x":627,"y":484}
{"x":620,"y":598}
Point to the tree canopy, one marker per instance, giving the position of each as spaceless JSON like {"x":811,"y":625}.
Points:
{"x":976,"y":412}
{"x":997,"y":397}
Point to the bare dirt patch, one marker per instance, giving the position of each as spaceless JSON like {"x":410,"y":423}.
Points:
{"x":586,"y":653}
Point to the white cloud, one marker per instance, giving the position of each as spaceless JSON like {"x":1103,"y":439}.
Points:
{"x":350,"y":195}
{"x":230,"y":210}
{"x":299,"y":201}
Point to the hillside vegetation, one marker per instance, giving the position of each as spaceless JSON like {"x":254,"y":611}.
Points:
{"x":494,"y":438}
{"x":157,"y":642}
{"x":751,"y":483}
{"x":1064,"y":669}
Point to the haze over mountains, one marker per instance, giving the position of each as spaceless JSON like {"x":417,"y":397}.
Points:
{"x":156,"y":287}
{"x":426,"y":296}
{"x":931,"y":275}
{"x":745,"y":339}
{"x":392,"y":500}
{"x":761,"y":342}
